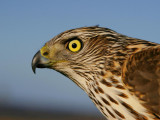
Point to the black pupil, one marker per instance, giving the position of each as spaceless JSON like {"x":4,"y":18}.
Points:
{"x":74,"y":45}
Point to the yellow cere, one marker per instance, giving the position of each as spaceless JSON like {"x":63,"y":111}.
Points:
{"x":44,"y":51}
{"x":74,"y":45}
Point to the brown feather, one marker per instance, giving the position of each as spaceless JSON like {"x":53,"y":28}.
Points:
{"x":141,"y":75}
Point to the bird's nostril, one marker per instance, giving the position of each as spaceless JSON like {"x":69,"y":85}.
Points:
{"x":45,"y":53}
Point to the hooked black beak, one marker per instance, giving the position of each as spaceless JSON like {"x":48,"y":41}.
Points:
{"x":39,"y":61}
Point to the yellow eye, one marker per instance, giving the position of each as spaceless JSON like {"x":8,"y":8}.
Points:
{"x":74,"y":45}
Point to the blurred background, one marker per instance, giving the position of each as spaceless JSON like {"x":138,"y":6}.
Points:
{"x":25,"y":25}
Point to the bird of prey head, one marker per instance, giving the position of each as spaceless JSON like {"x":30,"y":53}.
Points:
{"x":99,"y":60}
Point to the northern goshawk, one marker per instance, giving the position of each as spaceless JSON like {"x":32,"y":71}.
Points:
{"x":120,"y":74}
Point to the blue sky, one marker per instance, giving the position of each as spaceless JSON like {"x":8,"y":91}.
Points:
{"x":25,"y":25}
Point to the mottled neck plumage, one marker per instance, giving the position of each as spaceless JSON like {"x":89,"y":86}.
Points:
{"x":108,"y":92}
{"x":114,"y":101}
